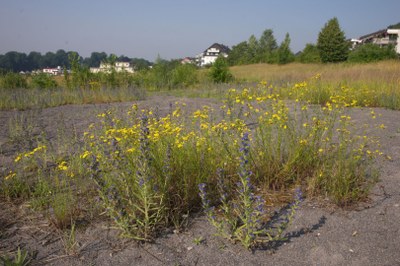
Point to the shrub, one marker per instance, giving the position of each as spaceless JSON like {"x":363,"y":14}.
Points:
{"x":43,"y":81}
{"x":371,"y":52}
{"x":310,"y":54}
{"x":219,"y":71}
{"x":184,"y":75}
{"x":12,"y":81}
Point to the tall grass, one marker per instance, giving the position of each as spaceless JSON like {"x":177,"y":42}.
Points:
{"x":22,"y":99}
{"x":373,"y":84}
{"x":385,"y":72}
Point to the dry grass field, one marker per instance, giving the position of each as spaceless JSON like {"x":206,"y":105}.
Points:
{"x":386,"y":72}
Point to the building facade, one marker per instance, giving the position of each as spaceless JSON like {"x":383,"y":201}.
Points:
{"x":211,"y":54}
{"x":118,"y":67}
{"x":53,"y":71}
{"x":381,"y":38}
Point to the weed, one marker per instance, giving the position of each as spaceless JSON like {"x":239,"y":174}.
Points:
{"x":69,"y":241}
{"x":198,"y":240}
{"x":242,"y":218}
{"x":23,"y":99}
{"x":63,"y":209}
{"x":20,"y":259}
{"x":146,"y":169}
{"x":21,"y":130}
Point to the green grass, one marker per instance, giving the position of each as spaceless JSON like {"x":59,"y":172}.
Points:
{"x":22,"y":99}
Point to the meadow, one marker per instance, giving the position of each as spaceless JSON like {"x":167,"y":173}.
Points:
{"x":280,"y":135}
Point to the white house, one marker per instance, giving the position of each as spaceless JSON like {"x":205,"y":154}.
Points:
{"x":118,"y":67}
{"x":381,"y":38}
{"x":187,"y":60}
{"x":211,"y":54}
{"x":394,"y":36}
{"x":53,"y":71}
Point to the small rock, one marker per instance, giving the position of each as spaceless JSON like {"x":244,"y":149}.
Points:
{"x":189,"y":248}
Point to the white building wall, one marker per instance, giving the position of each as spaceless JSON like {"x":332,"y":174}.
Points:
{"x":119,"y":67}
{"x":396,"y":32}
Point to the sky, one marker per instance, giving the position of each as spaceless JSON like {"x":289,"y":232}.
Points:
{"x":178,"y":28}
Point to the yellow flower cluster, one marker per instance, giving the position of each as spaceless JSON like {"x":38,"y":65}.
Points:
{"x":10,"y":175}
{"x":62,"y":166}
{"x":31,"y":153}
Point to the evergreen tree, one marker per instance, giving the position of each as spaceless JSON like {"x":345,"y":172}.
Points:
{"x":285,"y":55}
{"x":332,"y":44}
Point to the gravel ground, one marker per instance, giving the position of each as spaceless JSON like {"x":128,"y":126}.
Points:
{"x":365,"y":234}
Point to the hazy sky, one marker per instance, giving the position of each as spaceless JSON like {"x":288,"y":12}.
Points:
{"x":177,"y":28}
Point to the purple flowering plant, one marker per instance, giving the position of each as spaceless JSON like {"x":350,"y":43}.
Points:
{"x":241,"y":218}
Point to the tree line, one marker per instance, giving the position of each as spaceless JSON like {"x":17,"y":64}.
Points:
{"x":262,"y":50}
{"x":331,"y":47}
{"x":16,"y":61}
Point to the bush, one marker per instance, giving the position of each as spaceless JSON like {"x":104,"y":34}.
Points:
{"x":184,"y":75}
{"x":43,"y":81}
{"x":371,"y":52}
{"x":167,"y":75}
{"x":13,"y":81}
{"x":219,"y":71}
{"x":310,"y":54}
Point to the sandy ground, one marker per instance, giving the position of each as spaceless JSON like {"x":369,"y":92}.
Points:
{"x":366,"y":234}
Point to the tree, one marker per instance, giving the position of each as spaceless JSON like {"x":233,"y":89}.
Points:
{"x":219,"y":71}
{"x":310,"y":54}
{"x":123,"y":58}
{"x":395,"y":26}
{"x":13,"y":61}
{"x":239,"y":54}
{"x":79,"y":74}
{"x":140,"y":64}
{"x":49,"y":60}
{"x":34,"y":61}
{"x":253,"y":49}
{"x":61,"y":59}
{"x":95,"y":59}
{"x":285,"y":55}
{"x":332,"y":44}
{"x":267,"y":46}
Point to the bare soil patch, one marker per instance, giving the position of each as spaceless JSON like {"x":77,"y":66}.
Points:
{"x":365,"y":234}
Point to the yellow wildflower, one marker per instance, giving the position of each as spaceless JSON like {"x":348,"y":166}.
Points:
{"x":62,"y":166}
{"x":10,"y":175}
{"x":85,"y":154}
{"x":18,"y":158}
